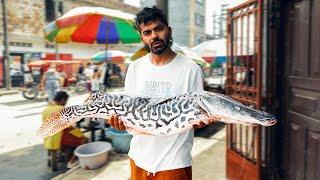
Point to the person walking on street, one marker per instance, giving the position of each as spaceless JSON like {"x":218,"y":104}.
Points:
{"x":160,"y":74}
{"x":88,"y":72}
{"x":51,"y":82}
{"x":105,"y":79}
{"x":95,"y":85}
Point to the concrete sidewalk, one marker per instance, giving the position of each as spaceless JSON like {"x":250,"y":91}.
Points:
{"x":4,"y":91}
{"x":27,"y":163}
{"x":208,"y":162}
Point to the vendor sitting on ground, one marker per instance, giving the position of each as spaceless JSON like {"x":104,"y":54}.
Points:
{"x":70,"y":137}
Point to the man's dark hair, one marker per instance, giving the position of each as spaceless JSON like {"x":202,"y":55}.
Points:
{"x":148,"y":14}
{"x":61,"y":95}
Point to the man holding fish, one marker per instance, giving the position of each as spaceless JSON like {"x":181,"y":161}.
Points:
{"x":161,"y":73}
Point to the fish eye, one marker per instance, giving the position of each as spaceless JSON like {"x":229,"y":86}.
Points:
{"x":237,"y":108}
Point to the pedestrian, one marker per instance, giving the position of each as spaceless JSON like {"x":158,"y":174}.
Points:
{"x":70,"y":137}
{"x":51,"y":82}
{"x":159,"y":74}
{"x":95,"y":85}
{"x":88,"y":72}
{"x":27,"y":72}
{"x":80,"y":69}
{"x":105,"y":79}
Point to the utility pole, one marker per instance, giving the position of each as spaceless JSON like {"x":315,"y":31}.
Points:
{"x":214,"y":25}
{"x":56,"y":46}
{"x":6,"y":59}
{"x":58,"y":12}
{"x":223,"y":19}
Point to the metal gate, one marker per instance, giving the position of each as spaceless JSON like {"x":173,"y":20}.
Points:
{"x":244,"y":82}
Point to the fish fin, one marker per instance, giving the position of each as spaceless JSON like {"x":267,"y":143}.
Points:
{"x":202,"y":108}
{"x":95,"y":96}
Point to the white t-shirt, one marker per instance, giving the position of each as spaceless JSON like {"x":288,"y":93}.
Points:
{"x":181,"y":75}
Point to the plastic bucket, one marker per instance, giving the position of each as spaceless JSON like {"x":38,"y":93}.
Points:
{"x":93,"y":155}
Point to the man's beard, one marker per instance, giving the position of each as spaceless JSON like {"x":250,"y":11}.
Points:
{"x":158,"y":49}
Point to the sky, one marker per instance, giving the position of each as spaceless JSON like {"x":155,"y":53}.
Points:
{"x":215,"y":5}
{"x":211,"y":6}
{"x":133,"y":2}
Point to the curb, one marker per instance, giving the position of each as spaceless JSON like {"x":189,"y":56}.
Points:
{"x":2,"y":93}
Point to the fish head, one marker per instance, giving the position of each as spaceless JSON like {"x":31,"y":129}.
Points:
{"x":229,"y":110}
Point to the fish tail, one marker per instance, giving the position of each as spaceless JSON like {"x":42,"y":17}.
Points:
{"x":58,"y":121}
{"x":47,"y":128}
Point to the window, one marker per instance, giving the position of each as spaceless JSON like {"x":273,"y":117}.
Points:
{"x":200,"y":2}
{"x":50,"y":10}
{"x":199,"y":19}
{"x":60,"y":8}
{"x":20,"y":44}
{"x":199,"y":39}
{"x":49,"y":45}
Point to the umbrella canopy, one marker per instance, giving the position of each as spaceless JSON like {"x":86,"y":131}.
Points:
{"x":178,"y":48}
{"x":211,"y":48}
{"x":93,"y":25}
{"x":109,"y":55}
{"x":184,"y":50}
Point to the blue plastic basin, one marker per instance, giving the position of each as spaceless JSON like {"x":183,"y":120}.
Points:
{"x":120,"y":140}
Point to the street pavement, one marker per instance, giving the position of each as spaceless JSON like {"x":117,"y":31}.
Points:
{"x":22,"y":155}
{"x":208,"y":154}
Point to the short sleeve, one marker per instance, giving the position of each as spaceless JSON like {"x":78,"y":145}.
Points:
{"x":129,"y":81}
{"x":196,"y":81}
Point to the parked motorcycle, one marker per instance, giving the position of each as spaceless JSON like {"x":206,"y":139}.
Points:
{"x":31,"y":91}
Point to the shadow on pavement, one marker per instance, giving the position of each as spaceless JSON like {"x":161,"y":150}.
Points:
{"x":209,"y":130}
{"x":27,"y":163}
{"x":116,"y":168}
{"x":20,"y":102}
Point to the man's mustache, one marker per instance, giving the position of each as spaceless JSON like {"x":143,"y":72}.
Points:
{"x":156,"y":41}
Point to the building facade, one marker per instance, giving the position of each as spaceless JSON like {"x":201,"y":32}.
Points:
{"x":26,"y":21}
{"x":187,"y":19}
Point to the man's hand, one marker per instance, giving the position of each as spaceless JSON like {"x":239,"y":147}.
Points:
{"x":116,"y":122}
{"x":202,"y":124}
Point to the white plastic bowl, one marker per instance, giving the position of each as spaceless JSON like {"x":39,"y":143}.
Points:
{"x":93,"y":155}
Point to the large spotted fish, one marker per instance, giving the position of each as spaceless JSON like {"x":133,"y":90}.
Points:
{"x":159,"y":116}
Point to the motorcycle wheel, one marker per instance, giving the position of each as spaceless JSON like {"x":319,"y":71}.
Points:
{"x":28,"y":93}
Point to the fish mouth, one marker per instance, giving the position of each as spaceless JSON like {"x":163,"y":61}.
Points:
{"x":269,"y":122}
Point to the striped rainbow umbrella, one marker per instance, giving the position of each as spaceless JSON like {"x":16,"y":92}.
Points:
{"x":109,"y":55}
{"x":93,"y":25}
